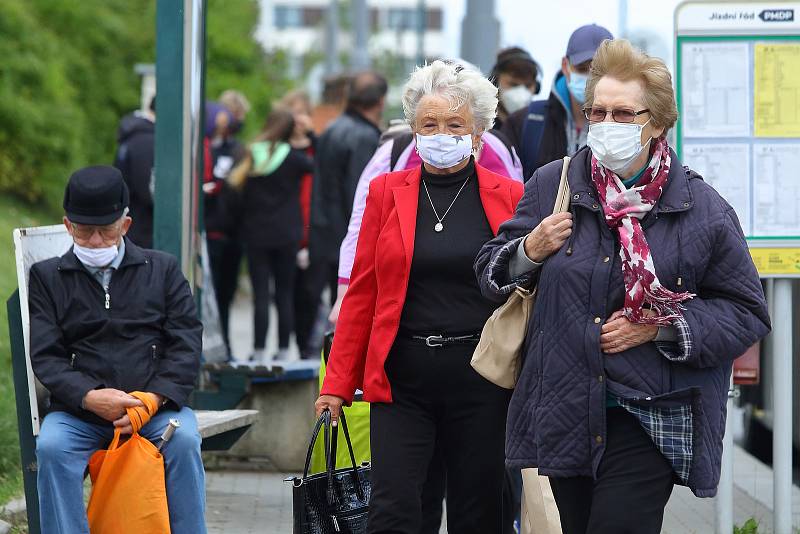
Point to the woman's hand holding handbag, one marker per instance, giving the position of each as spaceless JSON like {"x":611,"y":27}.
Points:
{"x":549,"y":236}
{"x":331,"y":403}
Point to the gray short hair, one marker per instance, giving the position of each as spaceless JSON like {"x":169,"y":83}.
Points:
{"x":458,"y":85}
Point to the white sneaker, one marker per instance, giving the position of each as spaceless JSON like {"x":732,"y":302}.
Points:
{"x":257,"y":356}
{"x":282,"y":355}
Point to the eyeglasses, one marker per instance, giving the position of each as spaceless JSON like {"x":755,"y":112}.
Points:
{"x":595,"y":114}
{"x":84,"y":232}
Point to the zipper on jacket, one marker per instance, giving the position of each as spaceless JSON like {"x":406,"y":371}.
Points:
{"x":336,"y":524}
{"x":72,"y":360}
{"x":154,"y":352}
{"x":108,"y":297}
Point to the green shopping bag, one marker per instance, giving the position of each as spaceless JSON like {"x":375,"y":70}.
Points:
{"x":357,"y":422}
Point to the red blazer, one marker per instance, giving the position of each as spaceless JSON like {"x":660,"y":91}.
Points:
{"x":370,"y":314}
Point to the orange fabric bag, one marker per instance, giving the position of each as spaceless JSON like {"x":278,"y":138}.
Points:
{"x":129,"y":494}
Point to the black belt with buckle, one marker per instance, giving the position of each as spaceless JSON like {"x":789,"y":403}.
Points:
{"x":441,"y":340}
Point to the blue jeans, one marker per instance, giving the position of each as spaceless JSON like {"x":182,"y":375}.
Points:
{"x":65,"y":445}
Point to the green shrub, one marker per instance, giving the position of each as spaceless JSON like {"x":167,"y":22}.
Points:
{"x":66,"y":79}
{"x":750,"y":527}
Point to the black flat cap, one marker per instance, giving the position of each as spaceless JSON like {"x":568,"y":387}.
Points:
{"x":96,"y":195}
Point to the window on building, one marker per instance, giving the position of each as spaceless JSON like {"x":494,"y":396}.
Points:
{"x":435,"y":19}
{"x":402,"y":18}
{"x":288,"y":17}
{"x":313,"y":16}
{"x":374,"y":19}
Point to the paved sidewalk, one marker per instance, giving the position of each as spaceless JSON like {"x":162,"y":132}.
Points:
{"x":261,"y":503}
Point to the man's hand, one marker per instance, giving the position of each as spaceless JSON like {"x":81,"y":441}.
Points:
{"x":619,"y":334}
{"x":108,"y":403}
{"x":548,"y":237}
{"x":124,"y":422}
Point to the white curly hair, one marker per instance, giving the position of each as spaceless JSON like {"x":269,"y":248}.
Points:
{"x":459,"y":85}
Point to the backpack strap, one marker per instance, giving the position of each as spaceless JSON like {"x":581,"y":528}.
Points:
{"x":532,"y":130}
{"x":398,"y":146}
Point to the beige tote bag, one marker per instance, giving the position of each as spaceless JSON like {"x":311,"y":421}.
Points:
{"x":539,"y":510}
{"x":497,"y":356}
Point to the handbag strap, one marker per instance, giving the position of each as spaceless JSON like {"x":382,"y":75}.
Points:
{"x":324,"y":422}
{"x":562,"y":196}
{"x":334,"y":440}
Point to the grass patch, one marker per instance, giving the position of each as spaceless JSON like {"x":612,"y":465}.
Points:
{"x":13,"y":214}
{"x":750,"y":527}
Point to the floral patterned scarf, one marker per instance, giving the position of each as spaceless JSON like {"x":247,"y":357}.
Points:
{"x":624,"y":208}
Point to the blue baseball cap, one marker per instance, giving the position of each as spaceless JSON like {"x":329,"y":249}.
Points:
{"x":584,"y":42}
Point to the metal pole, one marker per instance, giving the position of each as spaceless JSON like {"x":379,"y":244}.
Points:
{"x":480,"y":34}
{"x":622,"y":31}
{"x":178,"y":145}
{"x":782,"y":407}
{"x":360,"y":59}
{"x":723,"y":504}
{"x":332,"y":39}
{"x":422,"y":20}
{"x":169,"y":137}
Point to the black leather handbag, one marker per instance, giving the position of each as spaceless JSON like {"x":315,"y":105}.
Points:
{"x":337,"y":500}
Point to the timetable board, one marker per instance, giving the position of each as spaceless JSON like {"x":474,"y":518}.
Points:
{"x":738,"y":91}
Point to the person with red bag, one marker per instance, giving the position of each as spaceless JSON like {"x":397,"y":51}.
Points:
{"x":106,"y":319}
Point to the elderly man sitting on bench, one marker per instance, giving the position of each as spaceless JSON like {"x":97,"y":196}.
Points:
{"x":108,"y":318}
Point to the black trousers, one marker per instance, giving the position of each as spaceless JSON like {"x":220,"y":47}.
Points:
{"x":634,"y":482}
{"x":439,"y":402}
{"x":276,"y":265}
{"x":225,"y":256}
{"x":306,"y":309}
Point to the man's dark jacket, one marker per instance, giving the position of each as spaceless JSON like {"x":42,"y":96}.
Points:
{"x":343,"y":150}
{"x":135,"y":158}
{"x":148,"y":339}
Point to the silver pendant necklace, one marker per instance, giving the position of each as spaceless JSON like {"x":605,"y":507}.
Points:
{"x":439,"y":226}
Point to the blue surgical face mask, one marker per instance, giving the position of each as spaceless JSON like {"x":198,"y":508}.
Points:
{"x":577,"y":86}
{"x":444,"y":150}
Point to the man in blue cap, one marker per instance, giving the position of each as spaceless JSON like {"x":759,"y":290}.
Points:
{"x":108,"y":318}
{"x":556,"y":127}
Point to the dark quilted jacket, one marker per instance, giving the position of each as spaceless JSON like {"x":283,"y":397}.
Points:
{"x":556,"y":420}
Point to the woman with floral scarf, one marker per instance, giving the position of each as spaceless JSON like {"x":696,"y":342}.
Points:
{"x":646,"y":293}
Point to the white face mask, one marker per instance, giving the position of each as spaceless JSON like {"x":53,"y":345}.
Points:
{"x":615,"y":144}
{"x":444,"y":150}
{"x":95,"y":257}
{"x":516,"y":98}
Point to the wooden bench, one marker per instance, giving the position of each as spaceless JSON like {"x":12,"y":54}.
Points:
{"x":220,"y":429}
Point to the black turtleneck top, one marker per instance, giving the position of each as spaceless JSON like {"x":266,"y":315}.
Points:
{"x":443,"y":294}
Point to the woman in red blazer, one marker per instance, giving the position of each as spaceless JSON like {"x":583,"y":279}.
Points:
{"x":413,"y":314}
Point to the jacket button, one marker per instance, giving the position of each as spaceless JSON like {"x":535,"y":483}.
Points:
{"x":600,"y":378}
{"x":606,"y":259}
{"x":595,"y":206}
{"x":685,"y":204}
{"x":597,"y":320}
{"x":598,"y":439}
{"x":576,"y":197}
